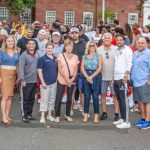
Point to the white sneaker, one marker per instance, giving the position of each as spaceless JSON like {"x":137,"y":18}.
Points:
{"x":84,"y":114}
{"x":80,"y":108}
{"x":71,"y":113}
{"x":120,"y":121}
{"x":124,"y":125}
{"x":42,"y":120}
{"x":76,"y":106}
{"x":50,"y":118}
{"x":69,"y":119}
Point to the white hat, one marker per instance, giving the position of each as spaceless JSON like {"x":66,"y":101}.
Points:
{"x":43,"y":32}
{"x":56,"y":33}
{"x":74,"y":29}
{"x":3,"y":32}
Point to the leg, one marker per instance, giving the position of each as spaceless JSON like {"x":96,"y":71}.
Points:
{"x":8,"y":105}
{"x":142,"y":109}
{"x":59,"y":95}
{"x":147,"y":111}
{"x":3,"y":108}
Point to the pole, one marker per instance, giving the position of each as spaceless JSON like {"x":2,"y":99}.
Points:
{"x":103,"y":11}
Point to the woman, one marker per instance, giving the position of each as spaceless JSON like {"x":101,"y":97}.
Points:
{"x":8,"y":73}
{"x":47,"y":71}
{"x":90,"y":67}
{"x":97,"y":36}
{"x":67,"y":71}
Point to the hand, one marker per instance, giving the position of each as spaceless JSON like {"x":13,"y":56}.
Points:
{"x":148,"y":82}
{"x":23,"y":84}
{"x":125,"y":79}
{"x":89,"y":79}
{"x":0,"y":81}
{"x":17,"y":81}
{"x":44,"y":85}
{"x":69,"y":82}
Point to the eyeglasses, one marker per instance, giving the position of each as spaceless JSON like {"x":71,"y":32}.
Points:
{"x":92,"y":45}
{"x":107,"y":57}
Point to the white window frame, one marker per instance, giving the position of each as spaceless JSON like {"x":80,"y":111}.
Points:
{"x":69,"y":21}
{"x":110,"y":21}
{"x":50,"y":18}
{"x":132,"y":18}
{"x":4,"y":13}
{"x":26,"y":16}
{"x":88,"y":14}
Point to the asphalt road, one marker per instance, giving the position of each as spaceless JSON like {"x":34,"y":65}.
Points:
{"x":70,"y":136}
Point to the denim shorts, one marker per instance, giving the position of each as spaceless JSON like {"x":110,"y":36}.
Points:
{"x":105,"y":85}
{"x":142,"y":93}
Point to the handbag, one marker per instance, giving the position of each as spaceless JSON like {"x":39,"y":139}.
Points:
{"x":70,"y":76}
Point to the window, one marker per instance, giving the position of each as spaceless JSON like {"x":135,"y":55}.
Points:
{"x":4,"y":13}
{"x":110,"y":20}
{"x":26,"y":16}
{"x":88,"y":18}
{"x":132,"y":18}
{"x":69,"y":17}
{"x":50,"y":16}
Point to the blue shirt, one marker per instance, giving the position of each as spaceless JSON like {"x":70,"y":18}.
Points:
{"x":91,"y":64}
{"x":7,"y":60}
{"x":140,"y":72}
{"x":49,"y":69}
{"x":58,"y":50}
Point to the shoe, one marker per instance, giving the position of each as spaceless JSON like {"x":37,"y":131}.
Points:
{"x":84,"y":114}
{"x":6,"y":122}
{"x":96,"y":119}
{"x":26,"y":120}
{"x":50,"y":118}
{"x":30,"y":117}
{"x":103,"y":116}
{"x":120,"y":121}
{"x":116,"y":116}
{"x":69,"y":119}
{"x":85,"y":118}
{"x":57,"y":120}
{"x":71,"y":113}
{"x":76,"y":106}
{"x":124,"y":125}
{"x":42,"y":120}
{"x":80,"y":108}
{"x":145,"y":125}
{"x":139,"y":122}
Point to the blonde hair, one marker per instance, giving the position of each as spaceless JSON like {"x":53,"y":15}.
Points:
{"x":88,"y":47}
{"x":4,"y":46}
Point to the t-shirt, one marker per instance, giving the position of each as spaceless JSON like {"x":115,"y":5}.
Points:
{"x":108,"y":57}
{"x":7,"y":60}
{"x":22,"y":44}
{"x":72,"y":63}
{"x":49,"y":69}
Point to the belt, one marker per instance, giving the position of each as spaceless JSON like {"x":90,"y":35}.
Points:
{"x":8,"y":67}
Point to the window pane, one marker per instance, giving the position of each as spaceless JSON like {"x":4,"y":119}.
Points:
{"x":88,"y":18}
{"x":4,"y":13}
{"x":50,"y":16}
{"x":69,"y":18}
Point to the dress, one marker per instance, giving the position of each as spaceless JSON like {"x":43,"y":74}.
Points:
{"x":8,"y":73}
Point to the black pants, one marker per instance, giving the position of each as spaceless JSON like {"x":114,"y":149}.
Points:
{"x":121,"y":94}
{"x":28,"y":98}
{"x":59,"y":96}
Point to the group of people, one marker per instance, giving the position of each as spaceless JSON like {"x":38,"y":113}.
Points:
{"x":82,"y":63}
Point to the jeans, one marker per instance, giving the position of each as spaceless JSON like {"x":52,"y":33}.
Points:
{"x":92,"y":89}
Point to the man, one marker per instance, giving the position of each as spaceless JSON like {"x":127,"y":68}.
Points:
{"x":78,"y":49}
{"x":140,"y":76}
{"x":108,"y":51}
{"x":22,"y":42}
{"x":28,"y":77}
{"x":58,"y":48}
{"x":123,"y":64}
{"x":37,"y":27}
{"x":41,"y":42}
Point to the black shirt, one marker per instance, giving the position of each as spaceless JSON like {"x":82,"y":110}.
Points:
{"x":22,"y":44}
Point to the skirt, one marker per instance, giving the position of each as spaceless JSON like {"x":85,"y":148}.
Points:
{"x":8,"y":77}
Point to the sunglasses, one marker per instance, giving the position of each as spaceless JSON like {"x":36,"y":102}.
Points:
{"x":92,"y":45}
{"x":107,"y":57}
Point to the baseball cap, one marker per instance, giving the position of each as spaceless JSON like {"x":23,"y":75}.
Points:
{"x":56,"y":33}
{"x":74,"y":29}
{"x":43,"y":32}
{"x":3,"y":32}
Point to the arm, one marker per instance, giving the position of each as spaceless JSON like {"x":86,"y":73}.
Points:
{"x":83,"y":69}
{"x":41,"y":78}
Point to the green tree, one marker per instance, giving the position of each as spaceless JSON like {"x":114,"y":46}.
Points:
{"x":17,"y":6}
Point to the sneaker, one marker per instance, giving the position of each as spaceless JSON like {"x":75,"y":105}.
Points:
{"x":124,"y":125}
{"x":116,"y":116}
{"x":25,"y":120}
{"x":103,"y":116}
{"x":120,"y":121}
{"x":145,"y":125}
{"x":84,"y":114}
{"x":76,"y":106}
{"x":71,"y":113}
{"x":139,"y":123}
{"x":69,"y":119}
{"x":57,"y":120}
{"x":80,"y":108}
{"x":31,"y":117}
{"x":42,"y":120}
{"x":50,"y":118}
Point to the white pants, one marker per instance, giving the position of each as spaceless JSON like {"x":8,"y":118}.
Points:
{"x":48,"y":97}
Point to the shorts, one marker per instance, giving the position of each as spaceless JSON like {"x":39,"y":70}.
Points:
{"x":142,"y":93}
{"x":105,"y":85}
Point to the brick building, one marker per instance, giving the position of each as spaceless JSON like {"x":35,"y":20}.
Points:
{"x":77,"y":11}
